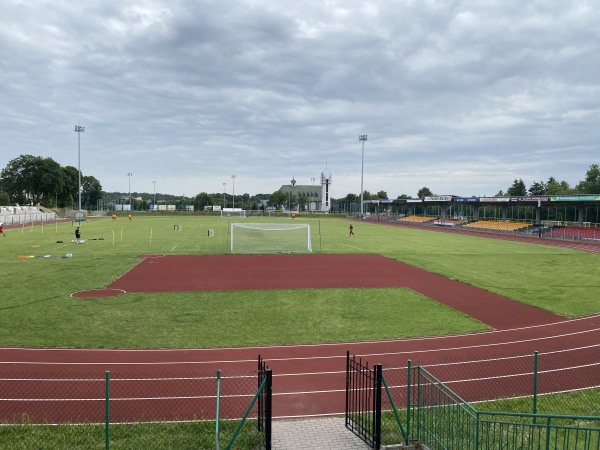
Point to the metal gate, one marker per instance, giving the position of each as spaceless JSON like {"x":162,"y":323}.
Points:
{"x":363,"y":400}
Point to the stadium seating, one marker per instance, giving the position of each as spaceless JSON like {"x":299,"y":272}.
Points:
{"x":10,"y":215}
{"x":497,"y":225}
{"x":574,"y":232}
{"x":417,"y":219}
{"x":449,"y":222}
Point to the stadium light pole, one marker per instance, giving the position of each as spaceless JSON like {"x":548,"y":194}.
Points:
{"x":362,"y":138}
{"x":129,"y":175}
{"x":154,"y":201}
{"x":233,"y":180}
{"x":79,"y":129}
{"x":224,"y":205}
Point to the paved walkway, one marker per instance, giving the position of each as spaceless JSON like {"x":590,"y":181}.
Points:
{"x":314,"y":434}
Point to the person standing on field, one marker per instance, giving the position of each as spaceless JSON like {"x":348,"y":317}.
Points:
{"x":77,"y":235}
{"x":1,"y":230}
{"x":351,"y":231}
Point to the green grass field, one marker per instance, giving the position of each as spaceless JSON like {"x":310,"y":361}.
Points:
{"x":37,"y":280}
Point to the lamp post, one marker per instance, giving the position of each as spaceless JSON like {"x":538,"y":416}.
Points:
{"x":129,"y":175}
{"x":362,"y":138}
{"x":224,"y":205}
{"x":233,"y":180}
{"x":79,"y":129}
{"x":154,"y":201}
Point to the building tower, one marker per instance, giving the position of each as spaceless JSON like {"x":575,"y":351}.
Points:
{"x":325,"y":190}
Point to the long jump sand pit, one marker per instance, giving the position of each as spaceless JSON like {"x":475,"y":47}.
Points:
{"x":260,"y":272}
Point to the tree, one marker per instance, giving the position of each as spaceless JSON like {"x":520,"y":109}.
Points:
{"x":382,"y":195}
{"x":91,"y":191}
{"x":277,"y":199}
{"x":591,"y":184}
{"x":302,"y":201}
{"x":4,"y":199}
{"x":424,"y":192}
{"x":403,"y":197}
{"x":291,"y":201}
{"x":32,"y":179}
{"x":71,"y":184}
{"x":202,"y":200}
{"x":555,"y":187}
{"x":537,"y":188}
{"x":517,"y":189}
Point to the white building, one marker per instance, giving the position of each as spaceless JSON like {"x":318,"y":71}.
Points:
{"x":318,"y":198}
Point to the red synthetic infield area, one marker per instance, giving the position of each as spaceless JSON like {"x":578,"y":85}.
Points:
{"x":259,"y":272}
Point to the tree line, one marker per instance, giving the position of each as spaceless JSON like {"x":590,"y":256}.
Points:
{"x":35,"y":180}
{"x":589,"y":185}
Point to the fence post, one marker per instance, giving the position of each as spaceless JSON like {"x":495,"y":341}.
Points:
{"x":107,"y":411}
{"x":408,"y":389}
{"x":218,"y":418}
{"x":377,"y":400}
{"x":535,"y":382}
{"x":347,"y":382}
{"x":268,"y":409}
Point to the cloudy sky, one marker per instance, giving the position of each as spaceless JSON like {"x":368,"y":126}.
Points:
{"x":459,"y":96}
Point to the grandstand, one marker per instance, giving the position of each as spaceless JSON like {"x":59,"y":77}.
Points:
{"x":506,"y":226}
{"x":13,"y":215}
{"x":417,"y":219}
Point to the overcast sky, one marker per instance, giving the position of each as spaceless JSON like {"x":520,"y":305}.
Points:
{"x":462,"y":97}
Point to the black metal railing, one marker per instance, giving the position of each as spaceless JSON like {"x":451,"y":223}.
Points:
{"x":363,"y":400}
{"x":265,"y":402}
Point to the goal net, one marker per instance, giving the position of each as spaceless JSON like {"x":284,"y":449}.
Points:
{"x":270,"y":238}
{"x":231,"y":212}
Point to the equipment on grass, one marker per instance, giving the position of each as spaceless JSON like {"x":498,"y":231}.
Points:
{"x":270,"y":238}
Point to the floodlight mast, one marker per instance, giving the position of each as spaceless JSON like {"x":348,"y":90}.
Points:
{"x":233,"y":181}
{"x":362,"y":138}
{"x":79,"y":129}
{"x":154,"y":201}
{"x":129,"y":175}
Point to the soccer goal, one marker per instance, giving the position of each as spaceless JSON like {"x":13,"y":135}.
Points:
{"x":270,"y":238}
{"x":227,"y":213}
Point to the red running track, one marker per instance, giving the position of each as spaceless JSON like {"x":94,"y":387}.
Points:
{"x":309,"y":379}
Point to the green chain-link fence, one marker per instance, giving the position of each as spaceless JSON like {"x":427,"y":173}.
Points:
{"x":545,"y":400}
{"x":121,"y":410}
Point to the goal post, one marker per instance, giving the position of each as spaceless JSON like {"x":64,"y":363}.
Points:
{"x":227,"y":213}
{"x":270,"y":238}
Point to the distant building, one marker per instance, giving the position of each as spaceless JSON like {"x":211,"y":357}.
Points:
{"x":318,"y":198}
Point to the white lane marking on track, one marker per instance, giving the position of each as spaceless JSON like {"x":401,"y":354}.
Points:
{"x":305,"y":358}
